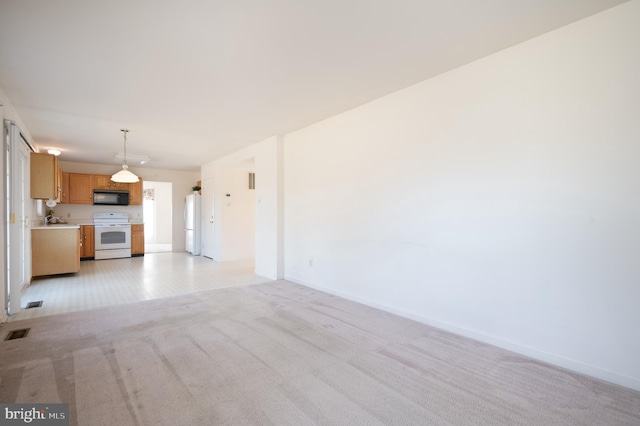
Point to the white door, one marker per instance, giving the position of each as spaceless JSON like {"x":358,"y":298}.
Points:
{"x":17,"y":167}
{"x":207,"y":218}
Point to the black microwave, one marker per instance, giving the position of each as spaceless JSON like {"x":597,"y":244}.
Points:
{"x":106,"y":197}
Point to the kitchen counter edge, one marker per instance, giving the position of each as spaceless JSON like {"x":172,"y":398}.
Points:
{"x":58,"y":226}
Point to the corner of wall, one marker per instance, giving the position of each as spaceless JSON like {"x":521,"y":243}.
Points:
{"x":280,"y":206}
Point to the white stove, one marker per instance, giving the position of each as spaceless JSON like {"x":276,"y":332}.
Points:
{"x":112,"y":235}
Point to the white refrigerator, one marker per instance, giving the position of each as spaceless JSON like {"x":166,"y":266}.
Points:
{"x":192,"y":224}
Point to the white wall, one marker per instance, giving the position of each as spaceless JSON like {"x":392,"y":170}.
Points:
{"x":182,"y":182}
{"x":9,"y":113}
{"x":499,"y":200}
{"x":269,"y":160}
{"x":238,"y":214}
{"x":267,"y":157}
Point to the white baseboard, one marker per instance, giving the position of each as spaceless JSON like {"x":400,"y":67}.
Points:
{"x":557,"y":360}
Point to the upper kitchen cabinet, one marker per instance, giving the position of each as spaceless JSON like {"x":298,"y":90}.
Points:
{"x":46,"y":177}
{"x":135,"y":193}
{"x":64,"y":194}
{"x":105,"y":182}
{"x":77,"y":188}
{"x":80,"y":188}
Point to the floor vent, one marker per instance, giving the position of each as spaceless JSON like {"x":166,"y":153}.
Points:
{"x":34,"y":304}
{"x":17,"y":334}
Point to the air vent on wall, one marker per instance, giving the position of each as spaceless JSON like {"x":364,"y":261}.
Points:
{"x":37,"y":304}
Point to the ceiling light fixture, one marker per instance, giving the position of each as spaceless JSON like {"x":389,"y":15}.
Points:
{"x":55,"y":152}
{"x":124,"y":175}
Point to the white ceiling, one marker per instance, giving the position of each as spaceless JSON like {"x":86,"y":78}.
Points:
{"x":195,"y":80}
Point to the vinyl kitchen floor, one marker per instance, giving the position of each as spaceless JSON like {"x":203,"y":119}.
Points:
{"x":119,"y":281}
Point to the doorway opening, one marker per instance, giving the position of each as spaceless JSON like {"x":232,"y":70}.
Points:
{"x":157,"y":213}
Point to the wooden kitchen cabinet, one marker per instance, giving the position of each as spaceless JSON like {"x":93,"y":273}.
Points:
{"x":137,"y":240}
{"x":45,"y":177}
{"x":87,"y":237}
{"x":101,"y":182}
{"x":135,"y":193}
{"x":119,"y":185}
{"x":80,"y":188}
{"x":64,"y":195}
{"x":55,"y":250}
{"x":105,"y":182}
{"x":77,"y":188}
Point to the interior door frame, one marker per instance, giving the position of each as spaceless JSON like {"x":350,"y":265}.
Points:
{"x":6,"y":167}
{"x":207,"y":217}
{"x":16,"y":244}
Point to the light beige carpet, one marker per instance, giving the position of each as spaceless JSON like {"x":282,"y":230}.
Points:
{"x":282,"y":354}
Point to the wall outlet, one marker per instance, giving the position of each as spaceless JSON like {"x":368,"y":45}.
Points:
{"x":310,"y":262}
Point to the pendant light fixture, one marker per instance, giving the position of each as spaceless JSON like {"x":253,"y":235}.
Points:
{"x":124,"y":175}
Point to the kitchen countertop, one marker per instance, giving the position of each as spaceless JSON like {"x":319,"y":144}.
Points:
{"x":75,"y":224}
{"x":58,"y":226}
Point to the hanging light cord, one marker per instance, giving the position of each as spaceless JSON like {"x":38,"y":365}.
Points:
{"x":124,"y":161}
{"x":124,"y":175}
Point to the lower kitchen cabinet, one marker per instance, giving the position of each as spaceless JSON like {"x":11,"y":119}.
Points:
{"x":87,"y":236}
{"x":55,"y":250}
{"x":137,"y":240}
